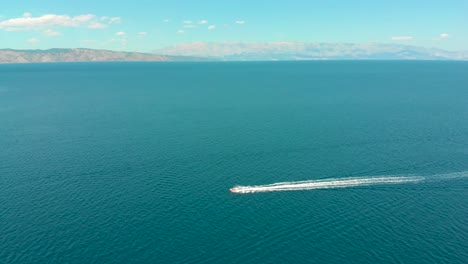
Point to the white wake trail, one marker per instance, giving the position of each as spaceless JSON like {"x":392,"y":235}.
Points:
{"x":326,"y":184}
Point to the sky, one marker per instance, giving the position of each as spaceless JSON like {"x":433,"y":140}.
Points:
{"x":147,"y":25}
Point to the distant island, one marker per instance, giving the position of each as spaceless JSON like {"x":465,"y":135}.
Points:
{"x":239,"y":51}
{"x":83,"y":55}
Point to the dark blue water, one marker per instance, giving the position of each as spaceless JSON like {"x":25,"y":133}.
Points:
{"x":132,"y":162}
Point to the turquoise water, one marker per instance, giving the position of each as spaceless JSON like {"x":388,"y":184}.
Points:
{"x":132,"y":162}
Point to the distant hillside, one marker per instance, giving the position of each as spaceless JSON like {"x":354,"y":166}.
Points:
{"x":238,"y":51}
{"x":82,"y":55}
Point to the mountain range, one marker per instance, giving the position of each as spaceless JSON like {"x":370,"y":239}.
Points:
{"x":238,"y":51}
{"x":82,"y":55}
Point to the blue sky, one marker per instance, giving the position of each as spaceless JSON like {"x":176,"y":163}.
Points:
{"x":146,"y":25}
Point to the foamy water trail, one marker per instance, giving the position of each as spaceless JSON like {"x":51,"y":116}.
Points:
{"x":448,"y":176}
{"x":327,"y":184}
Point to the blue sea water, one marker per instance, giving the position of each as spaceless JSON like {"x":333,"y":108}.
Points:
{"x":132,"y":162}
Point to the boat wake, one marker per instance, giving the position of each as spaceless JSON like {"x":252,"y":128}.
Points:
{"x":326,"y":184}
{"x":346,"y":182}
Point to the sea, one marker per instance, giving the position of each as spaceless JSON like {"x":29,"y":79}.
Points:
{"x":332,"y":161}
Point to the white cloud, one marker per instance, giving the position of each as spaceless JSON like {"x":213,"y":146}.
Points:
{"x":33,"y":40}
{"x":441,"y":37}
{"x":211,"y":27}
{"x":27,"y":23}
{"x":97,"y":25}
{"x":240,"y":22}
{"x":187,"y":22}
{"x":83,"y":18}
{"x":121,"y":33}
{"x":142,"y":34}
{"x":398,"y":38}
{"x":51,"y":33}
{"x":203,"y":22}
{"x":444,"y":35}
{"x":180,"y":31}
{"x":115,"y":20}
{"x":166,"y":20}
